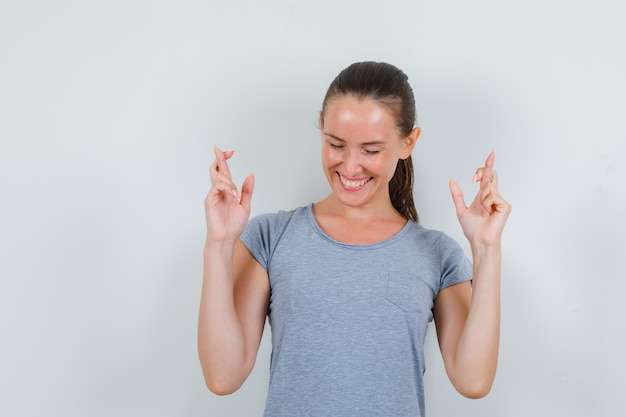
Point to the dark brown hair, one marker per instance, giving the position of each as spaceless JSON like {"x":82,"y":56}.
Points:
{"x":389,"y":86}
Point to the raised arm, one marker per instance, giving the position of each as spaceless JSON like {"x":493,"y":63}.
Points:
{"x":468,"y":319}
{"x":235,"y":288}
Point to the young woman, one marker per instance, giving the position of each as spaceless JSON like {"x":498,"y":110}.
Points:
{"x":351,"y":282}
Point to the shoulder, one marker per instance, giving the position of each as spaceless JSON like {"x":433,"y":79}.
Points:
{"x":423,"y":235}
{"x":436,"y":244}
{"x":454,"y":266}
{"x":264,"y":231}
{"x":272,"y":222}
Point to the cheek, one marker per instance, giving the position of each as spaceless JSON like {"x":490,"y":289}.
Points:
{"x":330,"y":157}
{"x":386,"y":167}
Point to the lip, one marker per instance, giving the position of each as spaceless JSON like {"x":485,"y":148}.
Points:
{"x":352,"y":184}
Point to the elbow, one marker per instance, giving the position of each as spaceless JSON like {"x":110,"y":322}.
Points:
{"x":476,"y":389}
{"x":219,"y":386}
{"x":220,"y":390}
{"x":221,"y":380}
{"x":473,"y":382}
{"x":475,"y":394}
{"x":218,"y":381}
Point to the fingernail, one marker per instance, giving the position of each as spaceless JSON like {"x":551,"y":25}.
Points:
{"x":475,"y":179}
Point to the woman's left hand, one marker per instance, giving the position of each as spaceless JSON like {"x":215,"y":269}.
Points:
{"x":484,"y":219}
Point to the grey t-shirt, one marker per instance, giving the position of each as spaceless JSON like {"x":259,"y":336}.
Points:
{"x":349,"y":321}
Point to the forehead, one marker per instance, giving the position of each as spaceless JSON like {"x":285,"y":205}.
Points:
{"x":365,"y":117}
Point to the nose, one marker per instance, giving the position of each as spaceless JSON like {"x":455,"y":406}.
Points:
{"x":352,"y":163}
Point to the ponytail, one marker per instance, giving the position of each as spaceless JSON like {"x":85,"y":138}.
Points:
{"x":401,"y":189}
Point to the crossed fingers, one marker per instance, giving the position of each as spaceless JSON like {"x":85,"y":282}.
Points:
{"x":488,"y":196}
{"x":221,"y":178}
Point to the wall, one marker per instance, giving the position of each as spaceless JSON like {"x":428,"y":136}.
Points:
{"x":108,"y":114}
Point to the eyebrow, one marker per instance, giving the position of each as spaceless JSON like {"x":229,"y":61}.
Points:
{"x":374,"y":142}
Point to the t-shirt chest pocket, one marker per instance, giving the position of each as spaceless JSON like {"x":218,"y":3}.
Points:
{"x":410,"y":292}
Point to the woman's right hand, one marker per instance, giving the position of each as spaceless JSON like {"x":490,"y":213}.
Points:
{"x":226,"y":209}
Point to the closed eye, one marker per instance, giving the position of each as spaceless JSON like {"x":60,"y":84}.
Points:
{"x":335,"y":145}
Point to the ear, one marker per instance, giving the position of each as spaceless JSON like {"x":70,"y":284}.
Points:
{"x":409,"y":142}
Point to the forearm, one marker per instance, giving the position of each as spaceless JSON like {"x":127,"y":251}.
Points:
{"x":477,"y":350}
{"x":221,"y":344}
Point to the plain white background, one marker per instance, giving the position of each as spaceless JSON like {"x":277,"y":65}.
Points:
{"x":108,"y":114}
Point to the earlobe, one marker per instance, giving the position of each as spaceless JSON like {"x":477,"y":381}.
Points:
{"x":410,"y":142}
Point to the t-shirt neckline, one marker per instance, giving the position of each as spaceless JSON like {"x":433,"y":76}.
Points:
{"x":388,"y":241}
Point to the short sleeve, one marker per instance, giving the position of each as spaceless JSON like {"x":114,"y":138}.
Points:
{"x":262,"y":234}
{"x":455,"y":267}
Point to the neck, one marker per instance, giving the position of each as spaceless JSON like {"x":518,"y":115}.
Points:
{"x":331,"y":206}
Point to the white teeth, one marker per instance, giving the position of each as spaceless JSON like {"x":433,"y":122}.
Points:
{"x":353,"y":184}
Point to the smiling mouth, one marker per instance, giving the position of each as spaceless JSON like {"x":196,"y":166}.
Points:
{"x":353,"y":185}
